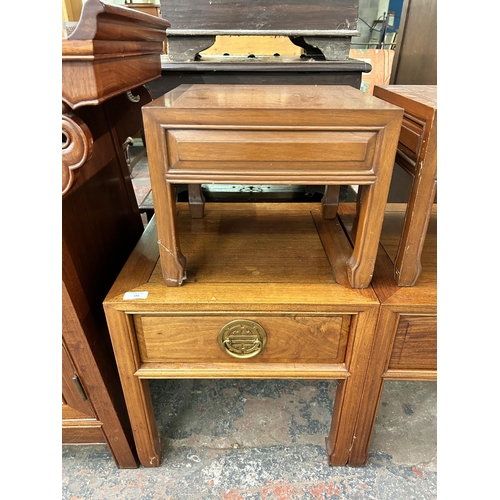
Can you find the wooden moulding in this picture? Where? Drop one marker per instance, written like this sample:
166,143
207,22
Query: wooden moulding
112,50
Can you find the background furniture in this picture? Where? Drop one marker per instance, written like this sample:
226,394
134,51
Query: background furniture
153,9
260,134
101,102
322,29
405,346
283,269
415,58
417,154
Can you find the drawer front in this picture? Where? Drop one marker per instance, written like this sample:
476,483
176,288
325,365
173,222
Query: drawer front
289,339
269,151
410,138
415,346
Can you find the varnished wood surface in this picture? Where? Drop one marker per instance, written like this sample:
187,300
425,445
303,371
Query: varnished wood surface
422,296
100,226
298,267
318,326
112,50
412,95
405,344
291,339
263,134
417,154
260,15
344,100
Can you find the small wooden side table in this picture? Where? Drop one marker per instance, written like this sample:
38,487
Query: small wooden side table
405,346
278,305
417,154
266,134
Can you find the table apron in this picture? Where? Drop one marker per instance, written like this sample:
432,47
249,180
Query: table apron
288,178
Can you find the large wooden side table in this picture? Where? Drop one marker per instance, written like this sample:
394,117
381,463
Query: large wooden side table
297,134
277,305
416,154
405,346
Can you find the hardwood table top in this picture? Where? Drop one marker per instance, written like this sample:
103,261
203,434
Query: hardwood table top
423,94
276,97
253,255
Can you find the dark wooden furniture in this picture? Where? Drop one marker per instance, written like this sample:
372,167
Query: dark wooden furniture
417,155
405,347
277,305
265,71
101,106
324,28
243,134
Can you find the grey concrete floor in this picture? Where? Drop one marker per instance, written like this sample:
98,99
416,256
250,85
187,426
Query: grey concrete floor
265,439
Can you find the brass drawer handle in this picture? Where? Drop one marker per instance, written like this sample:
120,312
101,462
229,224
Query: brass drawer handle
242,338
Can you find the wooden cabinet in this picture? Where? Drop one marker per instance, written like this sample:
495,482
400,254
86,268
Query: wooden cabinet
80,423
102,98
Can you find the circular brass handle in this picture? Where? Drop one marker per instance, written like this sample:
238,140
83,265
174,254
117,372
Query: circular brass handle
242,338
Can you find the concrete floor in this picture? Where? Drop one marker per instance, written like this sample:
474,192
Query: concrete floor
265,439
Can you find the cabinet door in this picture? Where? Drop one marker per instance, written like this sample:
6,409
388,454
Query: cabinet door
75,404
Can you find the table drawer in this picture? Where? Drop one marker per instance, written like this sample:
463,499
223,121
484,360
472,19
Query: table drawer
288,339
213,151
415,345
410,137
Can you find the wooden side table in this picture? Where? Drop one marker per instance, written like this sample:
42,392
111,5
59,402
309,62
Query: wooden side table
405,346
278,305
246,134
417,154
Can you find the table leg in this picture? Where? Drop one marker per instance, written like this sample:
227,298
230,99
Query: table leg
365,414
196,201
371,210
369,219
343,434
173,262
330,202
407,266
135,390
